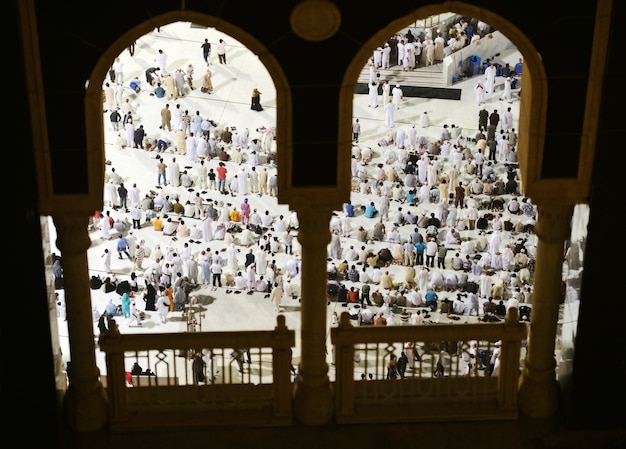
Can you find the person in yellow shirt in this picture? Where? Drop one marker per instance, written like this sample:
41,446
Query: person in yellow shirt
157,223
234,215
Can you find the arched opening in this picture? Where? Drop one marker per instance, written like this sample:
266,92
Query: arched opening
532,102
356,239
248,66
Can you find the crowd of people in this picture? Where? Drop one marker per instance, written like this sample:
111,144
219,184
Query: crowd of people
436,227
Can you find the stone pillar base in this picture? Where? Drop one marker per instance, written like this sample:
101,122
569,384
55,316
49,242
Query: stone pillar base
538,398
313,405
86,411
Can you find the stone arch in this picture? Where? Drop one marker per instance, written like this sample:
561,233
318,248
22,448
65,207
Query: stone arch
93,95
533,102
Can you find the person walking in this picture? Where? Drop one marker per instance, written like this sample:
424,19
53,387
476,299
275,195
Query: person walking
206,51
221,51
115,118
122,247
106,261
356,131
276,296
163,306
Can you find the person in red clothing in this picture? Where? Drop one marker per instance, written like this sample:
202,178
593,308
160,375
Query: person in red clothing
353,295
221,177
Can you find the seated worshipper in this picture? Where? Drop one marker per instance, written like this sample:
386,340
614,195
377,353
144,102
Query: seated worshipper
190,209
431,299
234,215
353,295
186,180
157,223
170,226
182,230
378,232
366,316
380,320
370,210
458,306
261,284
452,237
177,208
513,206
500,310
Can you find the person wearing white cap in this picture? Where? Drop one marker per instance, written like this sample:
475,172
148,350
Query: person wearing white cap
163,306
397,94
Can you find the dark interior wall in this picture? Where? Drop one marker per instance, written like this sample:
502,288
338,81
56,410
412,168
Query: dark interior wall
599,360
29,397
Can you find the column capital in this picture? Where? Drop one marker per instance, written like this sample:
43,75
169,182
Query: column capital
553,222
314,227
72,237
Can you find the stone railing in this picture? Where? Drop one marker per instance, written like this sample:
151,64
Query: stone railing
467,388
203,379
199,378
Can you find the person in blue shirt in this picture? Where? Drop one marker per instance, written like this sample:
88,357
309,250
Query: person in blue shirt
370,210
135,85
419,249
349,207
410,196
159,92
431,299
122,247
518,67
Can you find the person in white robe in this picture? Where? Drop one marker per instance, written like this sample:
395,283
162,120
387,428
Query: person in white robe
494,242
163,306
105,228
246,237
386,91
372,96
207,231
397,95
390,110
490,78
260,260
423,278
231,258
244,138
110,194
173,173
422,169
400,136
223,217
243,178
479,92
507,95
191,145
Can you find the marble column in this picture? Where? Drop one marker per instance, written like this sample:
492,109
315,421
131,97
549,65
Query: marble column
538,387
313,399
85,404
